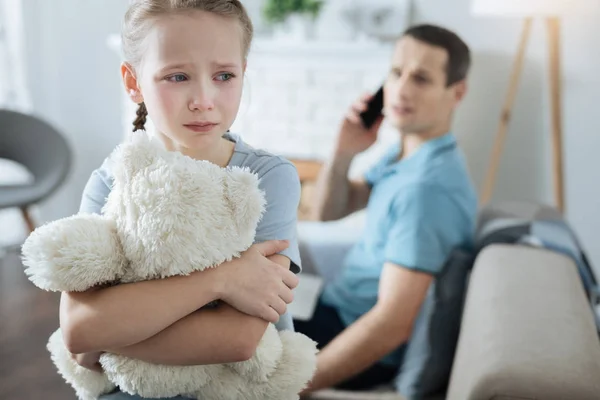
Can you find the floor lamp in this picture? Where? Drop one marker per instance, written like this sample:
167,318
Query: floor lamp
528,10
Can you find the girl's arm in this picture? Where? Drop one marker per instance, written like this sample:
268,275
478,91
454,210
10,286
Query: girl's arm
129,313
209,336
126,314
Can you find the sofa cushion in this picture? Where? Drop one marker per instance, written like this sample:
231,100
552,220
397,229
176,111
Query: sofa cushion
427,362
538,226
323,245
527,330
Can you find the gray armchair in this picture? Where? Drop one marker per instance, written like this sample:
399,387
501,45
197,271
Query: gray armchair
41,149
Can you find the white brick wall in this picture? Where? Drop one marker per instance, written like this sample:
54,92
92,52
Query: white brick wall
297,93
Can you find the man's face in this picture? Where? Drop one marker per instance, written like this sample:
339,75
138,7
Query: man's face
417,97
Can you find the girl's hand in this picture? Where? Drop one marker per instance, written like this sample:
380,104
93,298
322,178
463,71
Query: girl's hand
257,286
90,361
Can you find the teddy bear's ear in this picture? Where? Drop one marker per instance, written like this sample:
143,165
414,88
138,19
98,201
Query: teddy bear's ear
140,151
246,199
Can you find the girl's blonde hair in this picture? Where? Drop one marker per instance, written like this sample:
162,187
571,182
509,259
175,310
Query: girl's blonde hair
140,14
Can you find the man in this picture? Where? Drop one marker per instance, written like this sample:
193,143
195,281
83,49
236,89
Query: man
420,204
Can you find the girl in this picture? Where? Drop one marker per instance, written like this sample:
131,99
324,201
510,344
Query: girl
185,62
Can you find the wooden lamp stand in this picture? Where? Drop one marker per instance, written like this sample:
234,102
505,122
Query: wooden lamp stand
553,28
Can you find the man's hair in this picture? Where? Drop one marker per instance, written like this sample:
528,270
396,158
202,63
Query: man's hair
459,55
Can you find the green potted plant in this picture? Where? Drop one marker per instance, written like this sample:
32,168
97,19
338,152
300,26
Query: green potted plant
293,18
277,11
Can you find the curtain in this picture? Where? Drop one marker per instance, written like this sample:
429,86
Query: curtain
14,93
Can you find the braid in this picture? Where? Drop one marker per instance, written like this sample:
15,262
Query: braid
140,121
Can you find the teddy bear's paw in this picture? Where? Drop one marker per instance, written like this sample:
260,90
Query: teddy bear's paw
147,380
88,385
73,253
294,370
265,359
227,384
296,367
299,354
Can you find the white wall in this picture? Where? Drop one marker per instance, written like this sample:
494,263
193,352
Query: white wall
582,128
75,84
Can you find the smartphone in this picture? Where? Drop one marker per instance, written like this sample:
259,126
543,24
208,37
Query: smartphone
374,109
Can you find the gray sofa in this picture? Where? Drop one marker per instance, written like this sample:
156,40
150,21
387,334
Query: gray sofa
527,330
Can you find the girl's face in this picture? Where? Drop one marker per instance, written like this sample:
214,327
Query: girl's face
191,77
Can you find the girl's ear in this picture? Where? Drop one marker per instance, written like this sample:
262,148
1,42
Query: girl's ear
131,83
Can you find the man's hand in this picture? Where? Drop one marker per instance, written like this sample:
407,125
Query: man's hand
90,361
353,137
336,196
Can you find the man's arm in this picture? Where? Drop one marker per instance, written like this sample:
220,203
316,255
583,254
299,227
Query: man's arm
426,225
336,195
377,333
207,336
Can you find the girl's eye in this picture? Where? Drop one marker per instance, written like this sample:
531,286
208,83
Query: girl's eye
225,76
177,78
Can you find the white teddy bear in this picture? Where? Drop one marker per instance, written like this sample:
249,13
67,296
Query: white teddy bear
166,215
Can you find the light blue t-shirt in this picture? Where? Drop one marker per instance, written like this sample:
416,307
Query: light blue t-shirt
419,210
278,179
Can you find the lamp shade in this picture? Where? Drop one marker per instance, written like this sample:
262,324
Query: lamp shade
519,8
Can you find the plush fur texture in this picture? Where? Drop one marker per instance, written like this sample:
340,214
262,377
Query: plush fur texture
166,215
76,252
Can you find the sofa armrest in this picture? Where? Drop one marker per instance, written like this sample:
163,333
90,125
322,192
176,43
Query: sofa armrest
527,330
329,394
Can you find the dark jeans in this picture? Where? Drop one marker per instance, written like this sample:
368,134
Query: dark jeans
324,326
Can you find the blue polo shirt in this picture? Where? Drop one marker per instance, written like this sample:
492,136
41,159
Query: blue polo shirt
420,208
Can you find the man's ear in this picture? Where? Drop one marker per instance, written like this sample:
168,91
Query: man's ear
131,83
460,90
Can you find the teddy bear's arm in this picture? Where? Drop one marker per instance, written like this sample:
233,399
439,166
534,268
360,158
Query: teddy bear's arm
74,254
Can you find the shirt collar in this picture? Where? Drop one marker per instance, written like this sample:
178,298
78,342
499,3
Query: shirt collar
439,144
425,152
